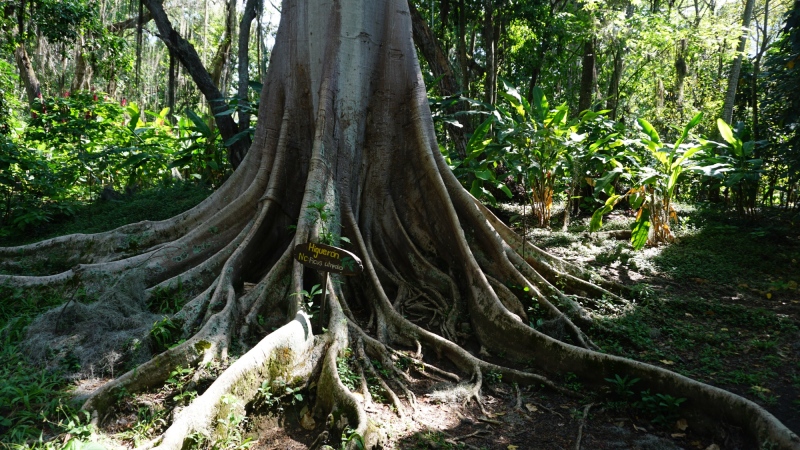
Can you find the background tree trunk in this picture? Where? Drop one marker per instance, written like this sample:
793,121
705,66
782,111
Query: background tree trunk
587,76
27,75
736,67
440,66
186,54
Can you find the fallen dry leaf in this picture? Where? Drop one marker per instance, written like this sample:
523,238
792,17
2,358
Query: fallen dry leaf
512,447
678,435
682,425
667,362
531,407
307,421
713,447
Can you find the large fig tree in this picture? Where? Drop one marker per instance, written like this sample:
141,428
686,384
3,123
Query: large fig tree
345,151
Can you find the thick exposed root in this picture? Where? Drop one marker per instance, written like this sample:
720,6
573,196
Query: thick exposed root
283,358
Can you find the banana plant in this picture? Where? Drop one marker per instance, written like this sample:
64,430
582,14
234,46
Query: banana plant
738,167
652,194
477,171
536,140
202,156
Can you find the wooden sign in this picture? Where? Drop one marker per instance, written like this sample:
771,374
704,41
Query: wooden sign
328,259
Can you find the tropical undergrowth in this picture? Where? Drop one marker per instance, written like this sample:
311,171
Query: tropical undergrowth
719,305
103,214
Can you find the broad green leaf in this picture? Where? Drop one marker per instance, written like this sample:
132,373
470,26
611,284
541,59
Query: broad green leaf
637,199
641,228
714,170
199,123
725,131
505,189
238,137
695,121
484,174
256,86
748,147
661,157
476,189
477,142
597,218
540,104
227,112
692,123
673,180
688,154
136,115
513,101
512,91
649,130
607,179
560,117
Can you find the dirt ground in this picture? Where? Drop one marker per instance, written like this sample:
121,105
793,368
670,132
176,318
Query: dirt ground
544,420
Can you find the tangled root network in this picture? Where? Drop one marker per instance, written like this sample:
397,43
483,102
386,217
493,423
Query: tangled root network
344,132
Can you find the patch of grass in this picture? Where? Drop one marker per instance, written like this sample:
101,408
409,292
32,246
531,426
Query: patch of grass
33,400
344,366
153,204
724,249
167,300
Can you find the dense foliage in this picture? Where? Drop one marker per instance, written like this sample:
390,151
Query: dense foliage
83,146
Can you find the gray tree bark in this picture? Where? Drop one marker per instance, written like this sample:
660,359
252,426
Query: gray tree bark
27,74
736,67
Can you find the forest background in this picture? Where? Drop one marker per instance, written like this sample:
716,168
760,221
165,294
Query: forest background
92,98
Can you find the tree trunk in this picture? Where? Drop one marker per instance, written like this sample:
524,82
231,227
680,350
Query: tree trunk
612,102
345,129
83,70
244,63
764,45
186,54
736,67
587,76
490,48
681,70
27,75
222,56
440,66
461,47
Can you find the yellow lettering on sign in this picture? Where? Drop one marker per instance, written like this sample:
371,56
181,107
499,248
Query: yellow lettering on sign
322,251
